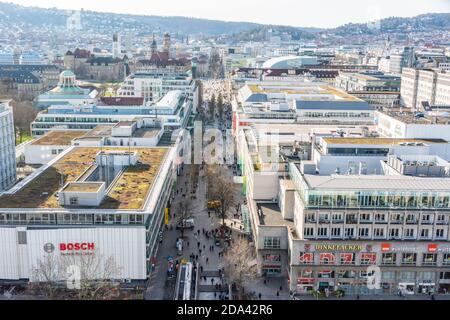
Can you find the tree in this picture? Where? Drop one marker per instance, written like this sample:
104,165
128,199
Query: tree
221,188
83,277
184,208
240,264
24,114
212,106
220,105
200,92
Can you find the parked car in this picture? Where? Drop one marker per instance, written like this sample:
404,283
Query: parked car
186,224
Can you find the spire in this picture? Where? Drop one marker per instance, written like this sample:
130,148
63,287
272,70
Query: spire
153,46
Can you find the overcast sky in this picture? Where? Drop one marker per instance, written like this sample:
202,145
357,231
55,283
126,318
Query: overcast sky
305,13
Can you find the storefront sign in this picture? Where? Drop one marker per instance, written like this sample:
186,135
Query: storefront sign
338,247
76,246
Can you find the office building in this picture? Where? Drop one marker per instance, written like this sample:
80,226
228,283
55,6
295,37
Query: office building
7,147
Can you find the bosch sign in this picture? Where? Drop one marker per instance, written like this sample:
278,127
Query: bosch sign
77,246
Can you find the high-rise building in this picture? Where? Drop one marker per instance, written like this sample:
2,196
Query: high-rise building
7,147
116,46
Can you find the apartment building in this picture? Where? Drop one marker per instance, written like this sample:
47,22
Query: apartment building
7,147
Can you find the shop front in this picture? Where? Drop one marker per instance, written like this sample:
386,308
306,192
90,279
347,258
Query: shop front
406,288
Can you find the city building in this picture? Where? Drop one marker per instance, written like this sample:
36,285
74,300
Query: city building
104,201
376,88
66,93
290,62
425,85
7,147
297,102
154,84
171,112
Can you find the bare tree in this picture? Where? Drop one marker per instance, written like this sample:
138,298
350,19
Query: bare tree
220,105
24,114
185,208
87,276
212,106
240,264
221,188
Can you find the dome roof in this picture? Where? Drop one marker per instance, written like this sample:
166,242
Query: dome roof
67,73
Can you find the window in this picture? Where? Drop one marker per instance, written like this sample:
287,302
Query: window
54,151
424,233
306,258
347,258
271,243
446,259
308,232
310,218
272,257
322,232
378,232
409,233
73,201
388,258
337,217
439,233
364,217
409,258
349,232
335,232
22,237
394,233
363,232
380,217
429,259
368,258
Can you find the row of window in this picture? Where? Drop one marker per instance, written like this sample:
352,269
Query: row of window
378,217
370,258
365,232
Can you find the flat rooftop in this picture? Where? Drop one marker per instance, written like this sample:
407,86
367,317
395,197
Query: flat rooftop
58,138
271,215
128,192
146,132
312,91
376,182
83,187
377,141
409,117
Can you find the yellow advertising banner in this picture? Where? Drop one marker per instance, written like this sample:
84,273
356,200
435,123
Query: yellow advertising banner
166,216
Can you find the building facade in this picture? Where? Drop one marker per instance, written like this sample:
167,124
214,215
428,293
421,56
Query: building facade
7,147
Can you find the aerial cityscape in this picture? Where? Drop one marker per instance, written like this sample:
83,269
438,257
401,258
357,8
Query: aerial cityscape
151,155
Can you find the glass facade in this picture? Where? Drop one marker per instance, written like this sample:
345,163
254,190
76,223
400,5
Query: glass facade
368,199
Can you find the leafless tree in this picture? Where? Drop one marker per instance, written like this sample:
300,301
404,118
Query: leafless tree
240,264
221,188
24,114
87,276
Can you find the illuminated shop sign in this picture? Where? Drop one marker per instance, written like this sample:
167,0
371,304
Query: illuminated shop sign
338,247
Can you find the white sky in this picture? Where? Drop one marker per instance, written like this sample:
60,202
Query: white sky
305,13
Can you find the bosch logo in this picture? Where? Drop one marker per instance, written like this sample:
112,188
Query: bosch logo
77,246
49,247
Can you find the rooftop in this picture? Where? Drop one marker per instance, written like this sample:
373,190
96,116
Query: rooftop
58,138
83,187
128,192
377,141
376,182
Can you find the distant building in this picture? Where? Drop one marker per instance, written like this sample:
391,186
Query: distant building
425,85
73,22
88,66
7,147
66,93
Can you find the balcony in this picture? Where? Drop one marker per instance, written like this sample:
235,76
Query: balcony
351,221
323,221
411,221
441,222
365,221
427,222
387,263
310,220
338,220
398,221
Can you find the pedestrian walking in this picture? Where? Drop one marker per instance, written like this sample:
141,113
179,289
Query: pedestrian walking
204,247
278,293
196,257
201,268
188,243
207,260
198,244
200,251
212,281
259,296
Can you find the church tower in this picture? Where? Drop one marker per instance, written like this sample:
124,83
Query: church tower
153,46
